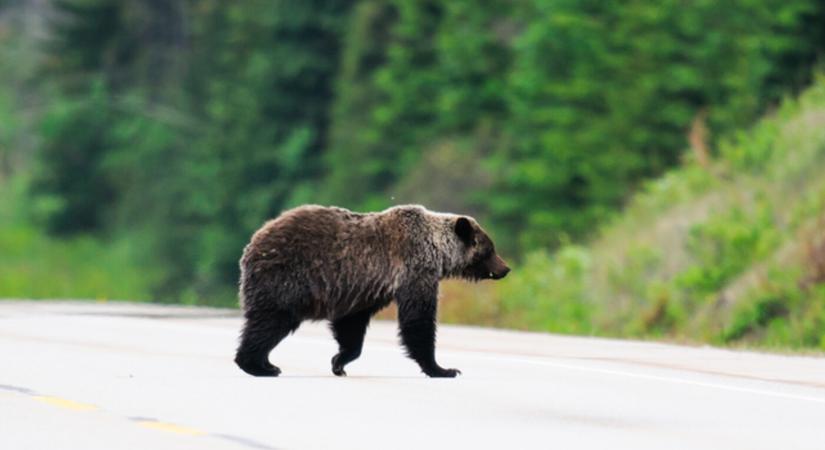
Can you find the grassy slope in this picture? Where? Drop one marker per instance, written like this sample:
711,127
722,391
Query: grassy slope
731,253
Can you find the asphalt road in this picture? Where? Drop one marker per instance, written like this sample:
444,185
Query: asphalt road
121,376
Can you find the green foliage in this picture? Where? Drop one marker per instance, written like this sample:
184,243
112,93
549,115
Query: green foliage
354,143
36,266
76,141
263,126
163,133
725,245
779,313
525,302
18,64
415,76
737,259
191,150
33,265
602,95
758,314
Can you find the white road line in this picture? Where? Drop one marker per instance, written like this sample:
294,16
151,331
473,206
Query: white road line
500,357
675,380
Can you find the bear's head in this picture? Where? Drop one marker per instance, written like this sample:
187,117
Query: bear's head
480,259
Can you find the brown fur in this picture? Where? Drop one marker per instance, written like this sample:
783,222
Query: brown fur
316,262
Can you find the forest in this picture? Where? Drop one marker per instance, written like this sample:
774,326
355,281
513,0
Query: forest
633,158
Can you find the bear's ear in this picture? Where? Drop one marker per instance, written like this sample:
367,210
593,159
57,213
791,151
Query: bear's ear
464,230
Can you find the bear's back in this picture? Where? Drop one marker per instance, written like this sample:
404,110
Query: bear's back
301,234
338,256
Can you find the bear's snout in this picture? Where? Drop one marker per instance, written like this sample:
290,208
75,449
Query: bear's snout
498,269
502,274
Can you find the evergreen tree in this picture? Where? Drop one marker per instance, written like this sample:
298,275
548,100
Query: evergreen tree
261,87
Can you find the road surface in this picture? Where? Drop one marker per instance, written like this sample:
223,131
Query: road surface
123,376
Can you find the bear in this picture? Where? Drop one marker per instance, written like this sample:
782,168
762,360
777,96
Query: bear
328,263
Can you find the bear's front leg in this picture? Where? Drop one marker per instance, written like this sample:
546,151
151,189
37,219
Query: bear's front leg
417,306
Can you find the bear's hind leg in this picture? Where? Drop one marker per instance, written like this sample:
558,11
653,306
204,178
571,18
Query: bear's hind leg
259,337
349,332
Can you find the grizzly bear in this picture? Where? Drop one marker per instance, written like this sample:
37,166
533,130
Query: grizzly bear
316,262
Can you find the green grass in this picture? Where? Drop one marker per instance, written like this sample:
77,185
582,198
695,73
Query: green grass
33,265
729,254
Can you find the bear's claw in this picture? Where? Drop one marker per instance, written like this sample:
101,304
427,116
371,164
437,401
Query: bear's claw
337,369
444,373
256,367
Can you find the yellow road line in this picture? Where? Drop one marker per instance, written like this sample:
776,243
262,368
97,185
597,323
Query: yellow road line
64,403
146,423
170,427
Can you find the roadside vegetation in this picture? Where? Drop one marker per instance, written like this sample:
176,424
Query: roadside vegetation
650,169
732,252
35,265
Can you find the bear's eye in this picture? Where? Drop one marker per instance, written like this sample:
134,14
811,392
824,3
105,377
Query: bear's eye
484,255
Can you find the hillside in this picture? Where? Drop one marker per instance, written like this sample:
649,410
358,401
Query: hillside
732,251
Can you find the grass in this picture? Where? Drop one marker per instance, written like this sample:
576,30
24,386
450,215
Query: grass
33,265
732,253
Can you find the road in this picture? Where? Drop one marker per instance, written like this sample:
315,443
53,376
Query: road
124,376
